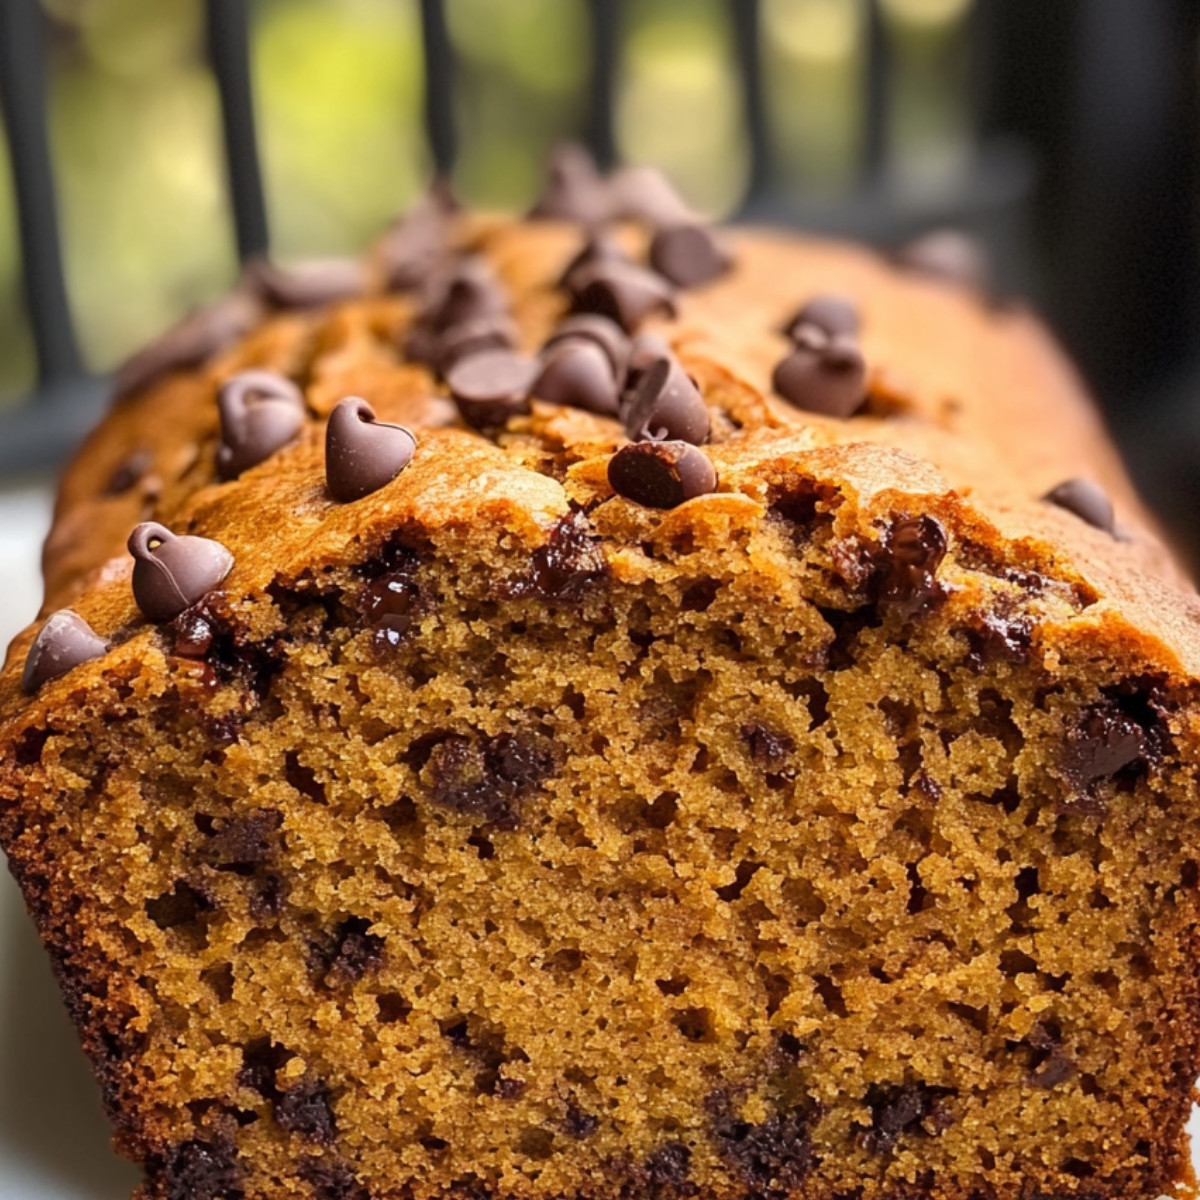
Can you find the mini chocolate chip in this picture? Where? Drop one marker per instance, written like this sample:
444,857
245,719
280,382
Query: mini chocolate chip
260,413
624,292
128,472
574,190
665,403
949,255
646,194
491,387
688,255
661,474
64,641
495,331
914,548
833,315
578,373
1087,500
310,284
172,573
194,634
823,375
191,340
601,246
362,454
592,327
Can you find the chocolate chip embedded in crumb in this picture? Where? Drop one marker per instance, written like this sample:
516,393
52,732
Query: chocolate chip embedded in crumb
309,284
64,641
602,331
949,255
661,474
362,454
194,634
200,1170
305,1109
492,386
913,550
172,573
1087,500
832,314
261,412
566,566
574,190
665,403
823,375
688,255
623,292
1102,741
578,373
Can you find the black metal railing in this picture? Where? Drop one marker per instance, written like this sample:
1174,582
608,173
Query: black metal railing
990,197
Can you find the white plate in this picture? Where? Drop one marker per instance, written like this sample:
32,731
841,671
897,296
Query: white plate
54,1138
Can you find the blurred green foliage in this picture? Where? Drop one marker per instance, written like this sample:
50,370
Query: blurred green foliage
135,133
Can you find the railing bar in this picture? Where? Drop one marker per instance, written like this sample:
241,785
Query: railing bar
602,99
747,30
23,101
229,51
439,86
876,78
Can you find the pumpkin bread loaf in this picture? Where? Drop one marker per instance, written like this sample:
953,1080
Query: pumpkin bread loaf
593,706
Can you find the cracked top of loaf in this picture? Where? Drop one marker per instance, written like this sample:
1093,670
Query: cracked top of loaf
972,414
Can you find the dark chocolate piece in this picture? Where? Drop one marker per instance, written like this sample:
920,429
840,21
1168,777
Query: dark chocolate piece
666,404
260,413
574,190
64,641
823,375
623,292
1087,500
600,247
199,1170
646,194
1102,742
495,331
491,387
567,566
305,1109
592,327
190,341
578,373
833,315
913,550
414,244
172,573
661,474
363,454
471,291
644,350
949,255
309,284
689,255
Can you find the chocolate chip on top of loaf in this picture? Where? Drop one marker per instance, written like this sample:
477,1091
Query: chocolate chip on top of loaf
596,706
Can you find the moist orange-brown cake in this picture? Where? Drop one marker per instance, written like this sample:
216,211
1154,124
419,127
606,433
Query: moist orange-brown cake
746,753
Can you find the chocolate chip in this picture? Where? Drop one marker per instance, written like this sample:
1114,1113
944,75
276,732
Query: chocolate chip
895,1110
346,956
190,341
623,292
392,605
661,474
194,634
600,247
491,387
913,550
128,472
646,194
591,327
362,454
644,350
262,1059
412,246
246,841
769,748
260,413
573,190
949,255
665,403
305,1109
1102,741
823,375
669,1166
201,1170
64,641
309,284
172,573
496,331
578,1123
688,255
1087,500
772,1155
834,315
470,292
566,566
332,1180
578,373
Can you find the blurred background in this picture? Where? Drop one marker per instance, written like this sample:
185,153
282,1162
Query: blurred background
1063,133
